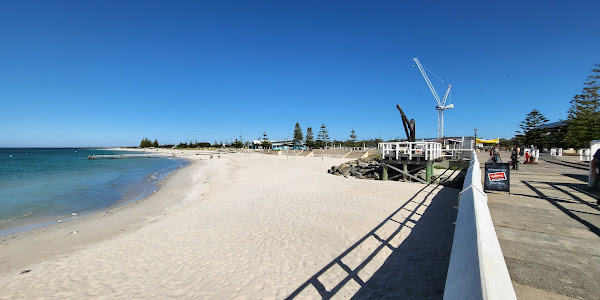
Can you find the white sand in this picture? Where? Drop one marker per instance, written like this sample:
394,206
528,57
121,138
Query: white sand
234,228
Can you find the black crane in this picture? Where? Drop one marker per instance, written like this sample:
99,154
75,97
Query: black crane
409,125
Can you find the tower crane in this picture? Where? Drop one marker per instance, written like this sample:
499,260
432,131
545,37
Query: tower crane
441,104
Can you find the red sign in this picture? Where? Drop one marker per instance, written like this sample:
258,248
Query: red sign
497,176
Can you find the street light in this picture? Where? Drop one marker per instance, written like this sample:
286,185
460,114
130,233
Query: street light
475,147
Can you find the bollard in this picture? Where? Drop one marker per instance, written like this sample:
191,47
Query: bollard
384,174
428,173
405,169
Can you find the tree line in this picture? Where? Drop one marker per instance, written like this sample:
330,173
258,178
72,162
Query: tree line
147,143
581,126
309,140
322,139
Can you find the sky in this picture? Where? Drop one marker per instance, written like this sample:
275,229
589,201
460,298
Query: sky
109,73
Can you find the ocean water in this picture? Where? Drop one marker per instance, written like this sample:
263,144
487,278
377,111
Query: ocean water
40,186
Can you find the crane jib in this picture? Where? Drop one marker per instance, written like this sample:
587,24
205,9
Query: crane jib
441,104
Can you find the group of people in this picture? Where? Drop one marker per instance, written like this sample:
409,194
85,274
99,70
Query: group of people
516,155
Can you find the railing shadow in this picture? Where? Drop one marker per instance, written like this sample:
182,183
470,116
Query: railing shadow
567,164
570,212
580,177
405,256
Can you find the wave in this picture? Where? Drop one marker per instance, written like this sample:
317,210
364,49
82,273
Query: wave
16,218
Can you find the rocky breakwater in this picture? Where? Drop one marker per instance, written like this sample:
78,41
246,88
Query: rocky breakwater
364,168
370,168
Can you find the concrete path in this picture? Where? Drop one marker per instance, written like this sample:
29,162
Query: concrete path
549,229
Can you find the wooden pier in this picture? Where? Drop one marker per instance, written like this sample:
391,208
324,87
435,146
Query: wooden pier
121,156
143,155
408,158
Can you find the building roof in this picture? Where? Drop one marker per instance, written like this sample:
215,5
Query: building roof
553,125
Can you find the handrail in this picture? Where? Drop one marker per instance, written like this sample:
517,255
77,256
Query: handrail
428,150
477,269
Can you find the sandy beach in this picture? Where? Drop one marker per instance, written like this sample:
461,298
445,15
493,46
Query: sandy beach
245,227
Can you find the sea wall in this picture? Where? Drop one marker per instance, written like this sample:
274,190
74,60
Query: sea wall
477,268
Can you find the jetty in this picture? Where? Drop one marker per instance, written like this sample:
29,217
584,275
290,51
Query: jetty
121,156
145,155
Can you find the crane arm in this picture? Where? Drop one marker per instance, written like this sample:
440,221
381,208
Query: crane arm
409,125
435,94
446,96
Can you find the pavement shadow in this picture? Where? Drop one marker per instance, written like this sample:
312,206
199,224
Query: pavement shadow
575,165
417,238
560,204
580,177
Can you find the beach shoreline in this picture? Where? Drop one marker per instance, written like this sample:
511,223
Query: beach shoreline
21,224
91,227
245,226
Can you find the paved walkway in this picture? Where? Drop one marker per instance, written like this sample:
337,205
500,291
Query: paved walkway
549,229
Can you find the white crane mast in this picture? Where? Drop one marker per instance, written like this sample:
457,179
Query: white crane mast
441,104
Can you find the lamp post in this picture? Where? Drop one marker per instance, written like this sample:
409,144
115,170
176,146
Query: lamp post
475,148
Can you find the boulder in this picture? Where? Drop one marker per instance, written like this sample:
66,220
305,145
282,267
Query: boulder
364,168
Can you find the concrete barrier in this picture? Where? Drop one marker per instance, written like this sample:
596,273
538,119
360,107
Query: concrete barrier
477,269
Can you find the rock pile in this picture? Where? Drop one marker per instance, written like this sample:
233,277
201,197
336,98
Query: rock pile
369,168
364,168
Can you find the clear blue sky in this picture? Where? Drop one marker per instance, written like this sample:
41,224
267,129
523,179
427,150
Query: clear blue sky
108,73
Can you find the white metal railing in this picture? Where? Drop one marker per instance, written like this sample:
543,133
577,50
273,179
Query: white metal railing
410,150
584,154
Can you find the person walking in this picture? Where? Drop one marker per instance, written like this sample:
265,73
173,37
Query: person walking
495,152
514,157
532,154
521,154
595,178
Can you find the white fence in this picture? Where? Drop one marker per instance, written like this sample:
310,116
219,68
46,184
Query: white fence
410,150
556,151
477,269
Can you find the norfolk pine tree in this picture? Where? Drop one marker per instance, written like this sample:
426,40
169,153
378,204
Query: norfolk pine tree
530,128
323,136
265,143
298,136
583,117
352,140
310,139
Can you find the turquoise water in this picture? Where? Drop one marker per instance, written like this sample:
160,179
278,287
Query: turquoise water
40,186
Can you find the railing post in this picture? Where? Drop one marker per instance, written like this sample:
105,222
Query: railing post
384,173
428,172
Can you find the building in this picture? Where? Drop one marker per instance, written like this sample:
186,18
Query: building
278,145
